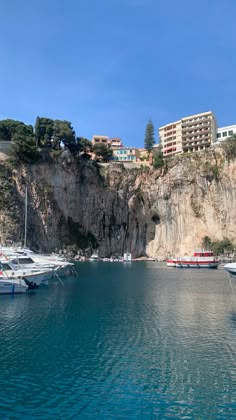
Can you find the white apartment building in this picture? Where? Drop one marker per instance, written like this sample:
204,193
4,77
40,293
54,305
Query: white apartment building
190,134
225,132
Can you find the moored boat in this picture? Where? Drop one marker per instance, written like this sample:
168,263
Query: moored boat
34,275
94,257
171,263
15,286
25,258
231,269
200,259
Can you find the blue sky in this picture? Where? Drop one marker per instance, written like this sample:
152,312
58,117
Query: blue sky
109,66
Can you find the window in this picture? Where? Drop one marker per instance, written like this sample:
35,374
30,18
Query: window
6,267
224,133
230,132
22,261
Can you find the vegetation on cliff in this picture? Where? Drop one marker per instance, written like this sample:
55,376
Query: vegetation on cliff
149,139
53,136
158,159
229,147
219,247
147,210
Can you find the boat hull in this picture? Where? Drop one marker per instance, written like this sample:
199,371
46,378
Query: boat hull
30,276
171,263
12,288
196,265
41,278
231,269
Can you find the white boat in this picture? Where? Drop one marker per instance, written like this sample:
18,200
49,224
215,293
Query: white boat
24,258
171,262
13,286
34,275
41,266
94,257
231,269
200,259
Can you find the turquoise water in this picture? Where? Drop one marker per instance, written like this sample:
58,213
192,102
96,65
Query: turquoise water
125,341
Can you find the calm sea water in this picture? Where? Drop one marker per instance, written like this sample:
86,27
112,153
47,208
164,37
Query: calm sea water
125,341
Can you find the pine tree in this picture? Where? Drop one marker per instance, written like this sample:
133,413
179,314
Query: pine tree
37,131
149,140
24,147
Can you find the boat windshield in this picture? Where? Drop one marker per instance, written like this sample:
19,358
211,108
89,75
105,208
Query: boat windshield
23,260
6,267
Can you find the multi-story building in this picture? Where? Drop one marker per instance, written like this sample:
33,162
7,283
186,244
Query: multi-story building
225,132
115,143
100,140
190,134
126,154
170,138
198,131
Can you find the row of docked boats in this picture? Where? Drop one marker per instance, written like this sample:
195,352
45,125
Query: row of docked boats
21,269
201,259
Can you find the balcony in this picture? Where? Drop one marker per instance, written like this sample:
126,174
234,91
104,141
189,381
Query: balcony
198,137
207,127
170,144
196,119
196,146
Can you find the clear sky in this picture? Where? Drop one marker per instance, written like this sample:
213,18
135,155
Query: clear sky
109,66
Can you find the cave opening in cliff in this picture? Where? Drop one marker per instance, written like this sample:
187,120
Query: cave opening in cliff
156,219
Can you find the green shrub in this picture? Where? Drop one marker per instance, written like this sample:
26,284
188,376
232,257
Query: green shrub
211,171
218,247
158,160
229,147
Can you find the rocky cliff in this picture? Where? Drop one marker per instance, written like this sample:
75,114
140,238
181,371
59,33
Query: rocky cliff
142,211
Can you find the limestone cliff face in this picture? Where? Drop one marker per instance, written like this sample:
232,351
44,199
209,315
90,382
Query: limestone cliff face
142,211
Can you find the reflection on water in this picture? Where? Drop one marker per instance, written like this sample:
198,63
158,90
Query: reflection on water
121,341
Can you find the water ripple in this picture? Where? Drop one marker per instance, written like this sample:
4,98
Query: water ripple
120,343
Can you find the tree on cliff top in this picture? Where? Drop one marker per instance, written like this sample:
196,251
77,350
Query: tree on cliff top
8,128
43,130
63,131
50,132
149,139
102,152
84,145
158,160
24,147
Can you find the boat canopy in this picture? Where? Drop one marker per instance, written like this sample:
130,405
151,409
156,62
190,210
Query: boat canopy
203,254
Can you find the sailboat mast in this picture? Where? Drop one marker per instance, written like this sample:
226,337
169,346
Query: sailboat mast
26,215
